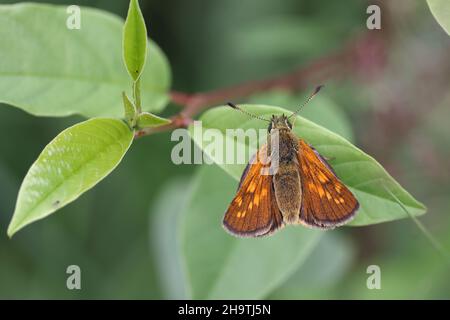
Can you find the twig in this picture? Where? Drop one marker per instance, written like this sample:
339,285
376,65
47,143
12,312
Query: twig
336,64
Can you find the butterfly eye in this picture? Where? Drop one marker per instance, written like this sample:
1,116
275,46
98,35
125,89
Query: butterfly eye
270,127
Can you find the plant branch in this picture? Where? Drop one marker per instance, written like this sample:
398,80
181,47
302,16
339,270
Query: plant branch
337,64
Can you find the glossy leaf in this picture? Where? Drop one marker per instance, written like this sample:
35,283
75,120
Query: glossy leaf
134,40
76,160
47,69
362,173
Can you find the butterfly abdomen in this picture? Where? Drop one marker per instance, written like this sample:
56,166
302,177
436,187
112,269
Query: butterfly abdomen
283,145
288,192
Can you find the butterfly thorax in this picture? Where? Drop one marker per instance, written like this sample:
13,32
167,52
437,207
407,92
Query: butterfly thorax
282,142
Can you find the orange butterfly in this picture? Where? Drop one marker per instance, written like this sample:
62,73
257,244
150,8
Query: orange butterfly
303,189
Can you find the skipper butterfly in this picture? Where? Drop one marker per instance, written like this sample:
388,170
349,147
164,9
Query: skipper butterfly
304,189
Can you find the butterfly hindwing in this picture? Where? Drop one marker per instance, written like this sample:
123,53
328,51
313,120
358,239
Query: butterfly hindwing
253,211
326,201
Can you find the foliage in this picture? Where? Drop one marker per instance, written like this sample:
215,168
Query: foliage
84,154
179,250
49,70
76,160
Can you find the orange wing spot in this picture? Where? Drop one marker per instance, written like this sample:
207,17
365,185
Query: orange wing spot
239,201
328,195
250,206
341,200
322,178
243,214
239,214
336,201
251,187
311,156
311,186
321,191
263,192
338,188
256,200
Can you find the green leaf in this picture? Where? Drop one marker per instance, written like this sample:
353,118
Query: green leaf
129,108
326,266
362,173
134,40
47,69
220,266
148,120
164,215
441,12
72,163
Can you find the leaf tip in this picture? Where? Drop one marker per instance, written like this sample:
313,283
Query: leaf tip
148,120
11,230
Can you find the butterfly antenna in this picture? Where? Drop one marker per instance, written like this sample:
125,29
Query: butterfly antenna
316,91
251,115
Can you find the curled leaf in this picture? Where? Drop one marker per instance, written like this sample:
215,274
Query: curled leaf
129,109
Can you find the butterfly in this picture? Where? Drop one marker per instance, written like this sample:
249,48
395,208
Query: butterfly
302,188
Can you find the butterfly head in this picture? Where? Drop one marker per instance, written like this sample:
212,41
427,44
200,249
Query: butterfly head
280,123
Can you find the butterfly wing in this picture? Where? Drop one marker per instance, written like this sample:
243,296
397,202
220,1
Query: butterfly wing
254,211
326,201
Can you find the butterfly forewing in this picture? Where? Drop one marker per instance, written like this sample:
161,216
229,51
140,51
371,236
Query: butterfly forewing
253,211
326,201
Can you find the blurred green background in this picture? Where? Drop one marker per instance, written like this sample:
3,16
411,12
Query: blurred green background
394,105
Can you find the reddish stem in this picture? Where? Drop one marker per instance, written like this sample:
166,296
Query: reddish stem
316,72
